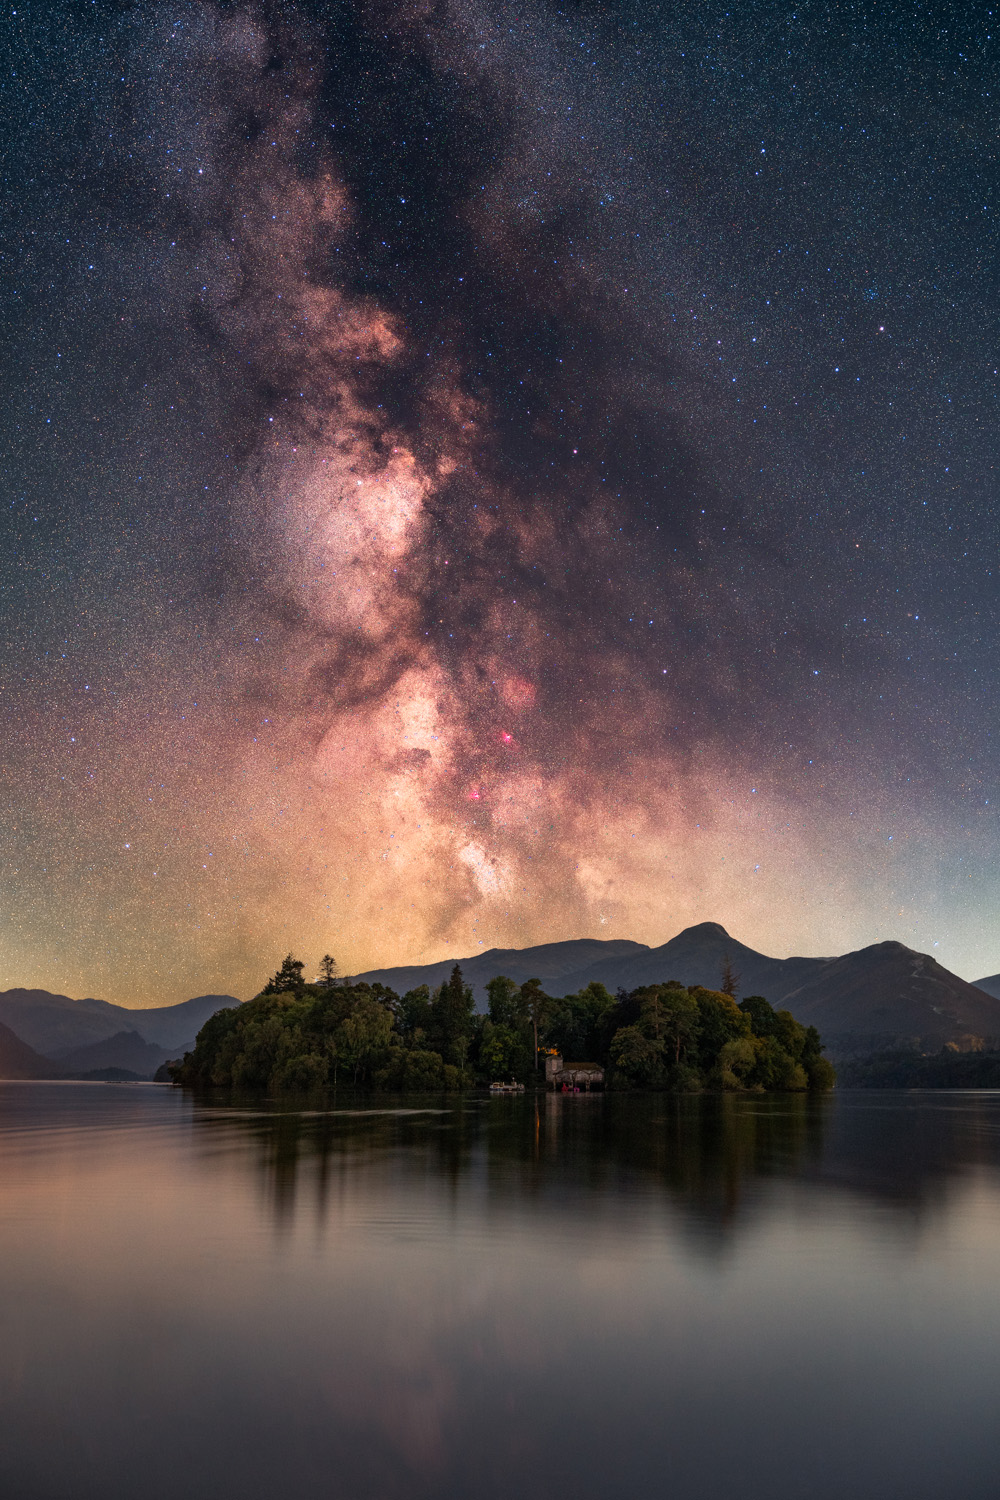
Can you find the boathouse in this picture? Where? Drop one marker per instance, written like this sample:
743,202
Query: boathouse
574,1075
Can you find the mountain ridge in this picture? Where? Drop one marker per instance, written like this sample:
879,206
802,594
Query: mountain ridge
549,961
55,1024
126,1050
19,1061
881,994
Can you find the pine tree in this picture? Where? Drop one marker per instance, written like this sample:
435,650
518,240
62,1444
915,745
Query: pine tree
451,1018
288,977
730,982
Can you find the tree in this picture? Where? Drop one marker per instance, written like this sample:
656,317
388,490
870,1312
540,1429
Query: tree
416,1071
762,1015
773,1067
736,1060
537,1004
327,970
578,1025
730,981
674,1015
720,1020
790,1034
451,1019
288,978
819,1070
364,1037
812,1046
302,1073
821,1074
506,1005
638,1058
415,1015
500,1052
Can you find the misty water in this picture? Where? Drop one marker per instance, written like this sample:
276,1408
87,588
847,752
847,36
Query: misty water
599,1296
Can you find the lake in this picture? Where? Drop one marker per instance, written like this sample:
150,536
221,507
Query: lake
606,1296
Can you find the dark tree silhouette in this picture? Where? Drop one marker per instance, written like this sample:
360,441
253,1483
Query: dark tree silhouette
451,1018
538,1004
730,981
288,977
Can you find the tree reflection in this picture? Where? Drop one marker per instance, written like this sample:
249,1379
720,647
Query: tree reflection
706,1154
714,1160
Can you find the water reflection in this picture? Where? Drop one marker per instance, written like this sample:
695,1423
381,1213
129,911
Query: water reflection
714,1159
445,1300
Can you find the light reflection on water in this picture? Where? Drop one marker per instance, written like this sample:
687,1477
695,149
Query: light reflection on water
701,1298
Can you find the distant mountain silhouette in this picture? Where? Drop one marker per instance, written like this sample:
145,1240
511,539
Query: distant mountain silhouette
126,1051
55,1024
698,955
552,963
875,997
172,1026
48,1022
891,990
18,1060
883,995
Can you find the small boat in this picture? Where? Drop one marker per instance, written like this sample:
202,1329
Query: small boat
506,1088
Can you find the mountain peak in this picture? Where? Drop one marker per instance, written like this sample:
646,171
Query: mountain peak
705,930
891,947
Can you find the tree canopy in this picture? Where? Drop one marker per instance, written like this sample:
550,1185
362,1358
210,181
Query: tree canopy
303,1037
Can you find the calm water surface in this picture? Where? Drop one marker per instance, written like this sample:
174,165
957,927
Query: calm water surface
600,1297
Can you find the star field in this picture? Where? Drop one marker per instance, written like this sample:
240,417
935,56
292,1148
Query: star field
477,475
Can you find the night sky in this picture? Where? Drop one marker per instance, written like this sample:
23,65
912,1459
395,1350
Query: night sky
478,475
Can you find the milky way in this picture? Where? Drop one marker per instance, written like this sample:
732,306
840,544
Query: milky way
480,477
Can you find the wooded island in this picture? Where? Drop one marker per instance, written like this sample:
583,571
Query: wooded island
296,1037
